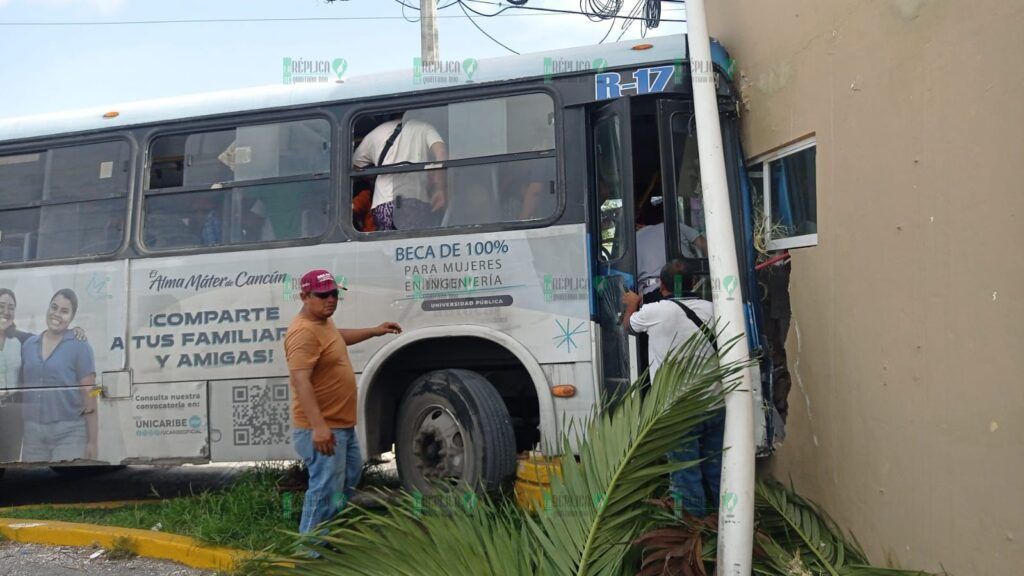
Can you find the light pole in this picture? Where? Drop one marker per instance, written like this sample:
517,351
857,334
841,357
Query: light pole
428,31
736,510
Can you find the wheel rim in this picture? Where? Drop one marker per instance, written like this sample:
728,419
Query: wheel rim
440,446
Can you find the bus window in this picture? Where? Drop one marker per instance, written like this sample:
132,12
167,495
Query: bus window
21,184
493,187
692,242
607,159
21,179
63,202
245,185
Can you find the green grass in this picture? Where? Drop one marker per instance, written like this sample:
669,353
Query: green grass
250,514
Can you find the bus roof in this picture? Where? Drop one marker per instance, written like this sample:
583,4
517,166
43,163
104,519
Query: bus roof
488,71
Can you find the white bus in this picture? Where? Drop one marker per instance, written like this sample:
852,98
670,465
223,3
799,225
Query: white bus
149,256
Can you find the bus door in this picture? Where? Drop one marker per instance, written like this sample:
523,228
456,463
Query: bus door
685,231
612,238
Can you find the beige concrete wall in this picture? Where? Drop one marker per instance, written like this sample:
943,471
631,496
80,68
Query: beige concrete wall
907,342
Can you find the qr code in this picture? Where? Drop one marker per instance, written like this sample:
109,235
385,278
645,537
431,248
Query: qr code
259,415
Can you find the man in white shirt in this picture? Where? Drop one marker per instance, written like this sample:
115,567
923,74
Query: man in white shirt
669,323
405,200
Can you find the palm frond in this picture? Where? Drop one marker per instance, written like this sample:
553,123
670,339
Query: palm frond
619,463
458,534
794,525
796,536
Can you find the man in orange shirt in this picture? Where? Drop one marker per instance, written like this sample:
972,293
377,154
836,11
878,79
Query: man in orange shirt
324,398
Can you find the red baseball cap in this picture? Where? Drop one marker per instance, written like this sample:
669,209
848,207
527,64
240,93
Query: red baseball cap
319,281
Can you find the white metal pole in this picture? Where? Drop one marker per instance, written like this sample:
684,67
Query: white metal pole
736,510
428,31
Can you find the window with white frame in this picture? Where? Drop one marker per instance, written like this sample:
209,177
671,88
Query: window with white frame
785,187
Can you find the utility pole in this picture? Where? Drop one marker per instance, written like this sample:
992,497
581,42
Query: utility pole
736,510
428,31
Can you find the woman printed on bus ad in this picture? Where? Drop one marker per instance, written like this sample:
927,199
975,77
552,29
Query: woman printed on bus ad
10,374
59,424
10,345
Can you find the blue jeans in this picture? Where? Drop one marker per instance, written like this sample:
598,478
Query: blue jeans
332,479
687,487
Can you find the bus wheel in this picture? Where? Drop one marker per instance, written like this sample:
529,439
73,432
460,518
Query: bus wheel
454,430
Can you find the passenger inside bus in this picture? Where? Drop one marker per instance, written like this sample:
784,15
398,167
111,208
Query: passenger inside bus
407,200
238,204
528,187
282,211
506,170
362,201
650,248
171,223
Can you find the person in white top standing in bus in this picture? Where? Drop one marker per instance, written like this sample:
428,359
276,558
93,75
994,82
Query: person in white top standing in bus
410,199
669,323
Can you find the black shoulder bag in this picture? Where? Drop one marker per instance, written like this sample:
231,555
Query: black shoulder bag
387,145
700,324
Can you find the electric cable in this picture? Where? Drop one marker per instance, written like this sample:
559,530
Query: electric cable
555,10
649,15
482,31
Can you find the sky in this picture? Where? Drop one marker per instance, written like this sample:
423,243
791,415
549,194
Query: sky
81,64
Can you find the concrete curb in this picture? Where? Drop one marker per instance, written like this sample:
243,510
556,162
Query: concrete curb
180,549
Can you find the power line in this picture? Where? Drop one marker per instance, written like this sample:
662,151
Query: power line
517,7
240,20
551,11
484,32
595,10
404,6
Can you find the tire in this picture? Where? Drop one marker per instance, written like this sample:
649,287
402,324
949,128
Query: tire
77,472
454,429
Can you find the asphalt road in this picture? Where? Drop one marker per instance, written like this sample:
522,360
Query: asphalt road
17,559
21,486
